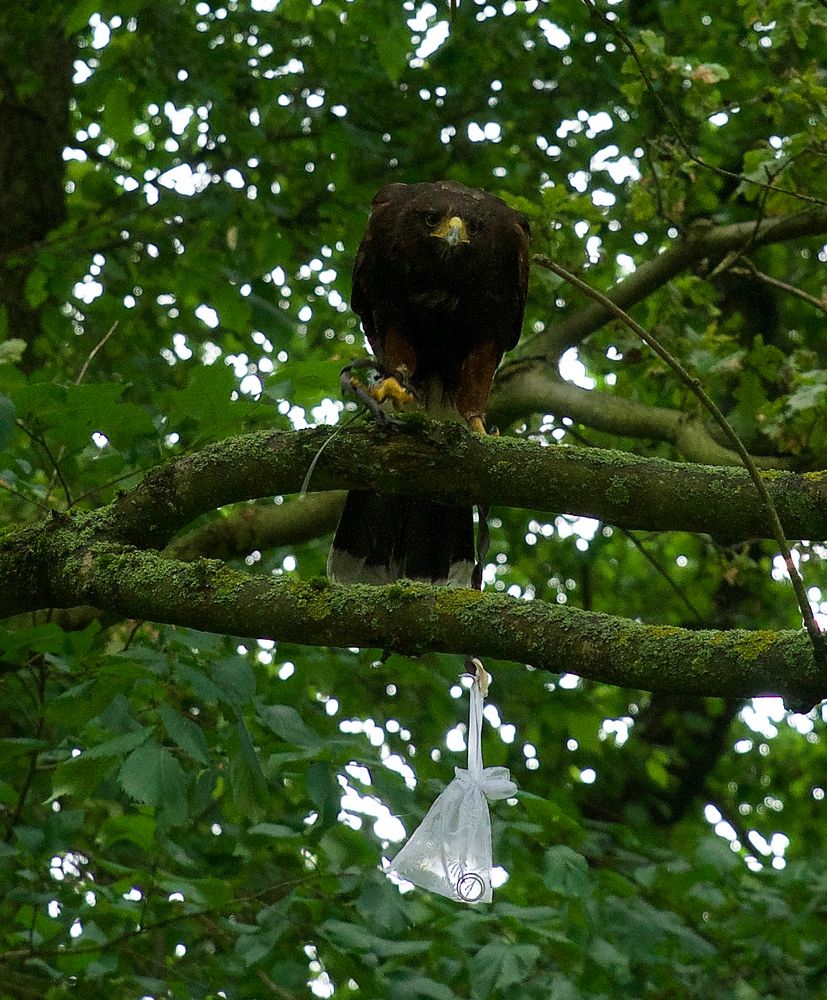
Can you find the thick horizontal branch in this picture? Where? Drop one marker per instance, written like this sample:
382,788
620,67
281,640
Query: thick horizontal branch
446,460
413,618
92,559
425,458
526,389
698,243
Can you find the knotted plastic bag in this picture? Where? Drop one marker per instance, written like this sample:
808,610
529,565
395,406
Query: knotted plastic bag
450,851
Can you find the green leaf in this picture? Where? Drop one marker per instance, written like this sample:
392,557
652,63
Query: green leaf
153,776
555,814
135,829
235,679
499,965
36,288
202,686
606,955
80,776
11,351
392,46
185,733
806,397
118,746
118,111
324,792
78,15
288,725
274,830
17,746
251,948
46,638
766,359
247,781
206,402
355,936
527,914
565,871
410,986
381,905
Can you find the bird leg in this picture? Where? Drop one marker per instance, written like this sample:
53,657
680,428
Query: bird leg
475,379
398,366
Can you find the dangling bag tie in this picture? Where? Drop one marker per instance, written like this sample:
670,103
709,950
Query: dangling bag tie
450,851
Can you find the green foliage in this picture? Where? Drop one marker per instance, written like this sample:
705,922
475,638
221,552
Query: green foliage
190,815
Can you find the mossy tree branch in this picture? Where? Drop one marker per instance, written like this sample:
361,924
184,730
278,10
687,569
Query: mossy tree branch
440,459
437,460
413,618
246,528
103,559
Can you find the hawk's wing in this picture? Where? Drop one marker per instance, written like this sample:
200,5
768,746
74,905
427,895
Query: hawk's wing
518,223
377,242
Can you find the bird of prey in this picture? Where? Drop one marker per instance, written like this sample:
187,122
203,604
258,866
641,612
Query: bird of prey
440,284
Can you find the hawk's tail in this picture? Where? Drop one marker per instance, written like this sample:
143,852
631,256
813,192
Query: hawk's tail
384,538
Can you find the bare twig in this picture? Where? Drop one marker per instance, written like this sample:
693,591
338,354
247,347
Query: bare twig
31,771
647,555
133,632
274,988
693,383
752,271
735,255
699,242
40,440
94,351
22,496
106,485
638,544
280,890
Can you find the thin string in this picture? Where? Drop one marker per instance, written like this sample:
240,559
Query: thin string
475,731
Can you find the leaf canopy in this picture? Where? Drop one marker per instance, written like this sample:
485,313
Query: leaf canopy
183,187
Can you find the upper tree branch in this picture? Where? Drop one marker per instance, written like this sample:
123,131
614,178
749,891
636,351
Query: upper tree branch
446,460
699,242
439,460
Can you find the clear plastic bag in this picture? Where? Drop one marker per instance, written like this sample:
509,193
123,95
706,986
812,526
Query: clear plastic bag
450,851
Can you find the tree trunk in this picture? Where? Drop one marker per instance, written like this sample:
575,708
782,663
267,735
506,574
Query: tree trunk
35,87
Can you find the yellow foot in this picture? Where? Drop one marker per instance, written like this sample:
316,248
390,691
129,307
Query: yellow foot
389,388
475,422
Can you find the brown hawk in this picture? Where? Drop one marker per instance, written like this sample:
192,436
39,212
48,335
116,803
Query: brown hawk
440,284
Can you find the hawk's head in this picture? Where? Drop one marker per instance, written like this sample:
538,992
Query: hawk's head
445,223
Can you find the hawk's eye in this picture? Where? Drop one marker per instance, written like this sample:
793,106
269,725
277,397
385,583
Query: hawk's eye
472,227
432,219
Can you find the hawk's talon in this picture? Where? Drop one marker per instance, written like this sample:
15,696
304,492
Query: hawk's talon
391,388
475,422
352,386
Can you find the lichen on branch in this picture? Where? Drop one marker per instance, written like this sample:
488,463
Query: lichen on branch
108,559
413,618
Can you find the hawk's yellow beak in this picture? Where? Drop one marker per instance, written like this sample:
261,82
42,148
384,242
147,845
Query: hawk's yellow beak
452,230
